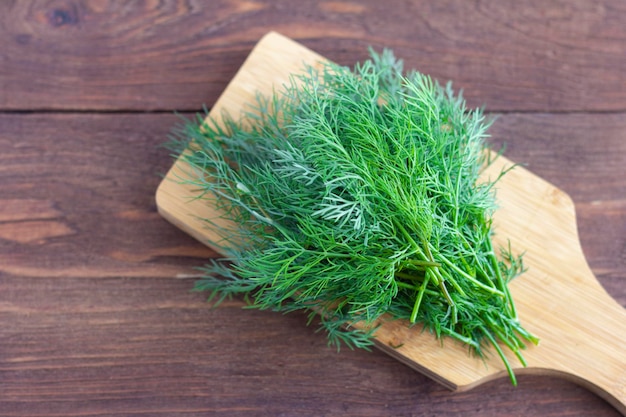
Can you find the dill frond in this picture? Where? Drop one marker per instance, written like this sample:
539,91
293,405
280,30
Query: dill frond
356,193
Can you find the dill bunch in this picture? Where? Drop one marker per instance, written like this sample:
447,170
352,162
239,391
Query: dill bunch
353,194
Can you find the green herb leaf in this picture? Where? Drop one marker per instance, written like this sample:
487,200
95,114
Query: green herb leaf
355,193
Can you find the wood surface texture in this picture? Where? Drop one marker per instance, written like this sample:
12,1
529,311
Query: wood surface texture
96,313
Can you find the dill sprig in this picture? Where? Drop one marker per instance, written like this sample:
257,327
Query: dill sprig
355,193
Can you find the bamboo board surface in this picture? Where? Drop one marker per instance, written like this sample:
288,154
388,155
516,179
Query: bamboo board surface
581,328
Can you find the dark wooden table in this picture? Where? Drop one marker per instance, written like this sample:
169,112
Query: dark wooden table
96,316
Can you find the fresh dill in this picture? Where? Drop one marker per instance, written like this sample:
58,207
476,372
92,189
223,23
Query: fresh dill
353,194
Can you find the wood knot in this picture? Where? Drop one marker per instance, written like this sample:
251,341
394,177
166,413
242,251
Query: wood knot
63,16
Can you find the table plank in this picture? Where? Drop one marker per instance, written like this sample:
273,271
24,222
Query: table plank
175,55
146,346
96,319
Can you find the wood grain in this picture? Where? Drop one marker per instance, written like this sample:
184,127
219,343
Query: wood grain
172,54
94,316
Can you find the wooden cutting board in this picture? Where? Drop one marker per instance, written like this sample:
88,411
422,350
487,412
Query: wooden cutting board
582,329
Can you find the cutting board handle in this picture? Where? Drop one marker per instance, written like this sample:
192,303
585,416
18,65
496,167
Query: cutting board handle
583,330
594,358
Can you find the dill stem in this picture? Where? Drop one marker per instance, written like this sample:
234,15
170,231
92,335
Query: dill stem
412,241
464,339
525,334
439,279
507,294
474,280
474,255
420,295
496,346
509,340
450,301
405,285
445,276
405,275
511,303
420,263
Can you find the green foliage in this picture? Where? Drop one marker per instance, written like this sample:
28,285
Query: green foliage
356,193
